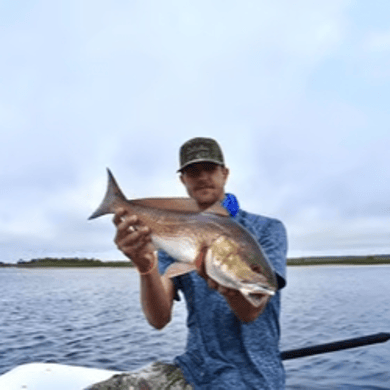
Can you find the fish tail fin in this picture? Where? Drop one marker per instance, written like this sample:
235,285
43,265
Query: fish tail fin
113,198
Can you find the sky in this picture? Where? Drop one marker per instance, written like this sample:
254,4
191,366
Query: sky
297,93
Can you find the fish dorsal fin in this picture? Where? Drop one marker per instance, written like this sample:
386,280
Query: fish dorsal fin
177,269
172,204
188,205
218,209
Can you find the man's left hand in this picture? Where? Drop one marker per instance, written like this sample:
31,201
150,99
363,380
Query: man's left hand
244,310
225,291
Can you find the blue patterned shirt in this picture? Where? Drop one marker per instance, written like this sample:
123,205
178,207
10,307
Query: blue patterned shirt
223,352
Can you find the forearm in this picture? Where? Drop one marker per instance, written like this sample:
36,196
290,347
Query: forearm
155,299
156,293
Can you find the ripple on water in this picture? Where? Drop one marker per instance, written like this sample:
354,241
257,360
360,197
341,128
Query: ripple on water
93,318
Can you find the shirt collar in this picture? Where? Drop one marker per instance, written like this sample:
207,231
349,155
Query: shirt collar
231,204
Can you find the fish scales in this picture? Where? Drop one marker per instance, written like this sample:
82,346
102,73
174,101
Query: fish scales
233,257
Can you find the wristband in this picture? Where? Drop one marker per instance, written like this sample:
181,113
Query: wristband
151,268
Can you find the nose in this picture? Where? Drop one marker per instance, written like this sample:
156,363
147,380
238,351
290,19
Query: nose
203,174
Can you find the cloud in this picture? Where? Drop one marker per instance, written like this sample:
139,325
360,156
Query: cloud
356,236
295,92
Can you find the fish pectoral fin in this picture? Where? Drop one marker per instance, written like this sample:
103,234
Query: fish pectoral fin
199,261
177,269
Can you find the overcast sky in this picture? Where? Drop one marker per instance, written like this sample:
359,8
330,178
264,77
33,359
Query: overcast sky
296,92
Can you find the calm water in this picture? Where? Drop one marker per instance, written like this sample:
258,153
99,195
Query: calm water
91,317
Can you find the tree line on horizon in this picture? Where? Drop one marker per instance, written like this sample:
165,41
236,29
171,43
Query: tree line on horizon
84,262
68,262
328,260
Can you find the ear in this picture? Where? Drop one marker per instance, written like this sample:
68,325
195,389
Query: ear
225,172
182,179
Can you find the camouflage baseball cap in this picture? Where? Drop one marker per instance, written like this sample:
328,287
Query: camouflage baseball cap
198,150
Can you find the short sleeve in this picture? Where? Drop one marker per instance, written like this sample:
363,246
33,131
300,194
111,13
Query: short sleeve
274,243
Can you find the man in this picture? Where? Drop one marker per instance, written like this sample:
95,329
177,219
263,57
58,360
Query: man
231,344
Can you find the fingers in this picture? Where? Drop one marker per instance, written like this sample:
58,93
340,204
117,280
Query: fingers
123,221
132,238
212,284
225,291
127,224
119,216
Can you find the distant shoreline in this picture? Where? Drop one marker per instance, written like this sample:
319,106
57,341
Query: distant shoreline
51,262
340,260
94,263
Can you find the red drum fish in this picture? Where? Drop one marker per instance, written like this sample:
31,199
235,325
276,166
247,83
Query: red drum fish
232,256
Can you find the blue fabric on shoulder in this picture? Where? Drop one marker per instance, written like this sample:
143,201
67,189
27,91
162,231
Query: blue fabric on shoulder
231,204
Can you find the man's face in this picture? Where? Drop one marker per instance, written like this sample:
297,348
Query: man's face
205,182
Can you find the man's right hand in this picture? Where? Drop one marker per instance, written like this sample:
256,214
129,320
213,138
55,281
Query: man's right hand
134,240
156,291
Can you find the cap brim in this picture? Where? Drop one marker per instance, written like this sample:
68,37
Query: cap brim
198,161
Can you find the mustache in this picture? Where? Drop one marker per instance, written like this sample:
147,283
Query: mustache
202,186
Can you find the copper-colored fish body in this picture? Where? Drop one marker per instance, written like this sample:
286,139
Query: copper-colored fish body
233,257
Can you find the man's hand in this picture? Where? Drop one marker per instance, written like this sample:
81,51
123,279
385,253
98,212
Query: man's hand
134,240
156,291
200,265
244,310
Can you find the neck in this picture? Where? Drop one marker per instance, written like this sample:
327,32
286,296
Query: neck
205,206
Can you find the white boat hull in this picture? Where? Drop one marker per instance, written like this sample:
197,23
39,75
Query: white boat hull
51,376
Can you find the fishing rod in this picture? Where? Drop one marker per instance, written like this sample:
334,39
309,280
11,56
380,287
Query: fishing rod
335,346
